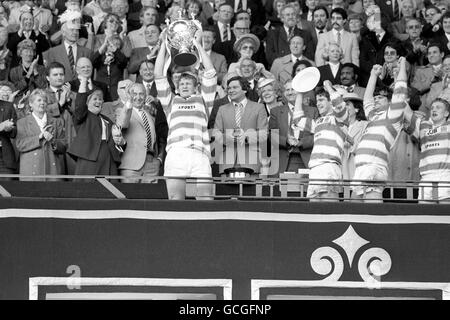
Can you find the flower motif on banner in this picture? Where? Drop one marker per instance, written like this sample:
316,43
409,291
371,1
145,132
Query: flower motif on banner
373,262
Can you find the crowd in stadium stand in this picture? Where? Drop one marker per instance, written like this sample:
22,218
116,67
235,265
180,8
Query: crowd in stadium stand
91,88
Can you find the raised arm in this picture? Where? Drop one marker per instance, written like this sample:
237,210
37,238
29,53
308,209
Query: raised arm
369,102
400,95
162,85
338,104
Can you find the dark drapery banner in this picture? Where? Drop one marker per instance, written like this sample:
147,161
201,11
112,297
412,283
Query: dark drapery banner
239,246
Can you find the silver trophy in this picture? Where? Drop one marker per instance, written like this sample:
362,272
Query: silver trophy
180,34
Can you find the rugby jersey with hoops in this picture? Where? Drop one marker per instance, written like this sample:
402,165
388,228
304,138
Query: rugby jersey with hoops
382,130
330,133
188,118
434,145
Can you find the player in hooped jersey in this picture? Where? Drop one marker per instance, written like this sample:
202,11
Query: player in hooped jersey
188,149
385,122
434,137
330,133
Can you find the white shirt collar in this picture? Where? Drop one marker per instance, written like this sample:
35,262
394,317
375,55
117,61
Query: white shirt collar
244,102
41,122
294,58
54,89
209,52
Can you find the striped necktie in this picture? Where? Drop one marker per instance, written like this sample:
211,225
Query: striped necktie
225,32
395,9
71,58
147,129
238,114
339,38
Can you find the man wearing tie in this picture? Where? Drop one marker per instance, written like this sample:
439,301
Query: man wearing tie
68,52
346,40
225,39
240,130
146,136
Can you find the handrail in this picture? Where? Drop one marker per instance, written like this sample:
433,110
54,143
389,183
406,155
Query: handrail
287,183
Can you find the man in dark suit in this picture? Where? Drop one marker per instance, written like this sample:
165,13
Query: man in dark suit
67,52
319,24
26,31
225,37
138,55
277,43
84,70
8,131
295,146
240,131
391,8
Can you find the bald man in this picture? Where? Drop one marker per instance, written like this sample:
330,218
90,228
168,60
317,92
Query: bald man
84,69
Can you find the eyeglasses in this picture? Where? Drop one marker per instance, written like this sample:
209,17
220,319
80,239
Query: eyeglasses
241,29
390,53
248,47
417,26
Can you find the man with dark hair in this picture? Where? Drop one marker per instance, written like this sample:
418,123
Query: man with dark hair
224,35
138,55
425,76
320,23
8,131
349,78
346,40
240,128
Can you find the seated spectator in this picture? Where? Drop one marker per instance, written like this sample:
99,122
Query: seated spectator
5,55
97,146
331,71
148,16
110,63
111,26
29,75
40,140
27,30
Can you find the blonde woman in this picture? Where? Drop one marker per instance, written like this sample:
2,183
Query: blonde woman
40,140
331,70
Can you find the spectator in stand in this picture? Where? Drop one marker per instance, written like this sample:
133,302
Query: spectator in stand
148,16
245,47
277,42
28,30
392,52
97,148
437,88
112,26
442,34
273,10
5,55
294,145
270,94
68,52
320,24
194,9
40,140
414,44
138,55
225,38
120,8
311,5
425,76
42,15
282,67
308,98
399,27
241,128
85,71
110,63
331,71
96,7
8,131
349,79
29,75
218,60
134,13
146,131
345,40
98,19
355,25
